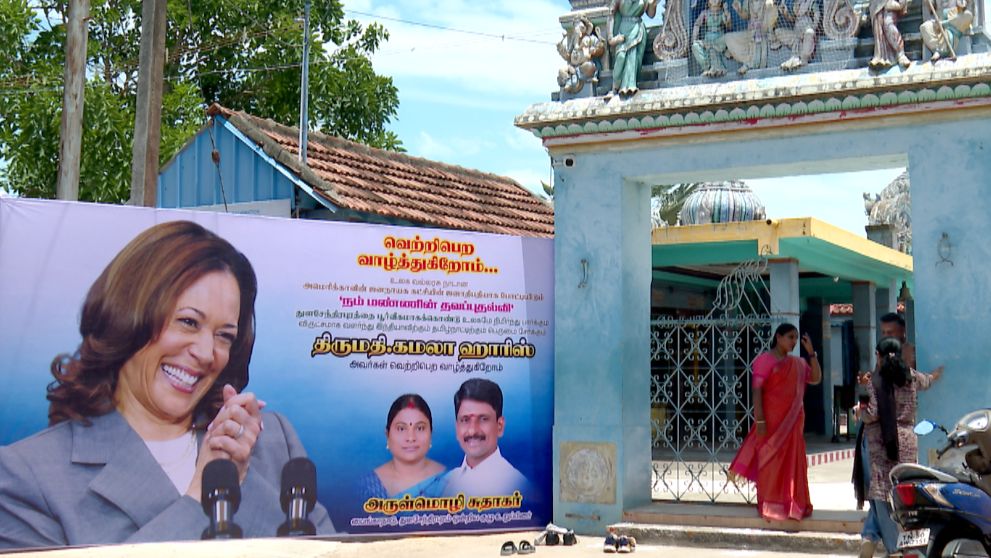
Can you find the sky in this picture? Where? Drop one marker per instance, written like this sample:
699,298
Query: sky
465,69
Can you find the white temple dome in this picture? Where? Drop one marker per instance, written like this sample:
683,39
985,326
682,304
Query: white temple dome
721,202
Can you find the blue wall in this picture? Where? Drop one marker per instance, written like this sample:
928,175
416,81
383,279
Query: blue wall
601,379
246,174
601,376
950,170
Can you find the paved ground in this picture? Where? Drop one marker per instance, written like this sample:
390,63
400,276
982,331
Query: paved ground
414,547
829,486
829,481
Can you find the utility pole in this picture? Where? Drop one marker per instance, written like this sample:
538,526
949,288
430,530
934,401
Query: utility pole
148,111
73,94
304,86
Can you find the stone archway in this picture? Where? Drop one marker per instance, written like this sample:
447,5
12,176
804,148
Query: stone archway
935,120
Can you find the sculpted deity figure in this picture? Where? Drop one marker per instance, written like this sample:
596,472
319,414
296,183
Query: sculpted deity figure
629,41
889,48
942,33
580,48
708,51
751,46
801,36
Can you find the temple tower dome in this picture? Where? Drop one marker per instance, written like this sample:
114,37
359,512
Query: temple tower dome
721,202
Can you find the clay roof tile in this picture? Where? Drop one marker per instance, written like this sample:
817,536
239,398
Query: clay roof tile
396,185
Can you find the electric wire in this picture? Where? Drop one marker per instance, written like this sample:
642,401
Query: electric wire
35,84
452,29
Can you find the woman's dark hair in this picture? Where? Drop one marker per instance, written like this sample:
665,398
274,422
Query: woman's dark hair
892,368
783,329
130,303
408,401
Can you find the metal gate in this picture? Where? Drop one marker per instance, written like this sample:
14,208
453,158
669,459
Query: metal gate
701,405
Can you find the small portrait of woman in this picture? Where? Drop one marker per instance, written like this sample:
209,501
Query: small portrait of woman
408,435
154,392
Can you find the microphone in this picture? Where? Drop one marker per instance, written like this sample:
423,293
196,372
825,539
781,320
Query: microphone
299,494
221,497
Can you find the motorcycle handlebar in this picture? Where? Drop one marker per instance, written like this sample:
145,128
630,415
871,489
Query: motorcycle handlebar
946,448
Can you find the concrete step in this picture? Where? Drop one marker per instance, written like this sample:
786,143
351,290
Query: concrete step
739,526
742,516
802,542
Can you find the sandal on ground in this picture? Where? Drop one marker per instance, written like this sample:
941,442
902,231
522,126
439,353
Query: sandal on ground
508,548
526,548
611,544
547,538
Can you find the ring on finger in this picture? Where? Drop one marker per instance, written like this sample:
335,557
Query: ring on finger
240,431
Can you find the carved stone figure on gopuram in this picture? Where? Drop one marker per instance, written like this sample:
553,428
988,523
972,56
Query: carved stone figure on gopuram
629,42
693,42
889,46
751,46
709,48
943,32
581,48
800,38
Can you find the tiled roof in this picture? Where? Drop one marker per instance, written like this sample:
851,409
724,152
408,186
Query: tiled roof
843,309
846,309
393,185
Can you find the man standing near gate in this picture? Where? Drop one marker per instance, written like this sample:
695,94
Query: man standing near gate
892,325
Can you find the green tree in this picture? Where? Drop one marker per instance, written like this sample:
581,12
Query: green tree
672,197
244,54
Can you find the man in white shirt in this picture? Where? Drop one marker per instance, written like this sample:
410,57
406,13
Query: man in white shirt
479,425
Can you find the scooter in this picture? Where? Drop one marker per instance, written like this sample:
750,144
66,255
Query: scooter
945,510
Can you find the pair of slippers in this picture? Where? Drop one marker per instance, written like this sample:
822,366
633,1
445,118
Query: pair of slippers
554,537
509,548
619,543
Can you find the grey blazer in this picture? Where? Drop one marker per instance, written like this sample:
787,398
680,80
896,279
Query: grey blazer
73,485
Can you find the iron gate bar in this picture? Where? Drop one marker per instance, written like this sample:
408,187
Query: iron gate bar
700,387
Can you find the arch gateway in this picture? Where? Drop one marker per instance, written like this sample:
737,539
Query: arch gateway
751,89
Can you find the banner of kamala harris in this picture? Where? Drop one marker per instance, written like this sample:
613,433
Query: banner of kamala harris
414,366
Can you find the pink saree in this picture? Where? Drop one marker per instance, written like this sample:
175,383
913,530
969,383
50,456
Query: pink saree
777,462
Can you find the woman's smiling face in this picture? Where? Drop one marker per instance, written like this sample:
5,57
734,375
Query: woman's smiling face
165,380
409,435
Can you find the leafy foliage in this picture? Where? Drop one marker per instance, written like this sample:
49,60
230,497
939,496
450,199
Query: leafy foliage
244,54
667,199
671,199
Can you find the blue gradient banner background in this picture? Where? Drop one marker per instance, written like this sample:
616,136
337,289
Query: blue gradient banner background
51,252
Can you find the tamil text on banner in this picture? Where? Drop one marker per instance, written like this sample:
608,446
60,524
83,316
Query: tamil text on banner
415,366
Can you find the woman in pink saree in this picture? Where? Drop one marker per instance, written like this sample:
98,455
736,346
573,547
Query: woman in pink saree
773,453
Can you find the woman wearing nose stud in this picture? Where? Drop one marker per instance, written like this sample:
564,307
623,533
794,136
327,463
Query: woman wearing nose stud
151,396
773,453
408,434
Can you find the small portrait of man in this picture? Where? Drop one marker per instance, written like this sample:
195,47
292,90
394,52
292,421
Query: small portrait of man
479,425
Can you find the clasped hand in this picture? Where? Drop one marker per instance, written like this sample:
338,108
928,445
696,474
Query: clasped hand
232,435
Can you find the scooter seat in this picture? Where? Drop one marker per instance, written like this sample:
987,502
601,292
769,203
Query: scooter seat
913,471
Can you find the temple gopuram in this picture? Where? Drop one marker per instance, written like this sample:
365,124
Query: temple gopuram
656,92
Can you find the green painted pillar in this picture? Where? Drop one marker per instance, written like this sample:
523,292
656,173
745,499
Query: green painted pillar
865,322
